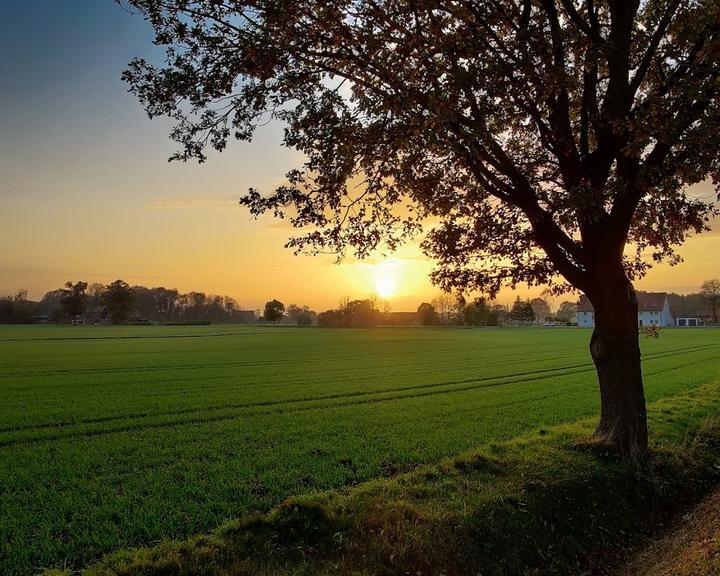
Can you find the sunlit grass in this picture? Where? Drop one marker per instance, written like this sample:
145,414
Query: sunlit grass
116,437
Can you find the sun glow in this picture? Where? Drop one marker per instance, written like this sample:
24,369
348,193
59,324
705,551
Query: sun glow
385,280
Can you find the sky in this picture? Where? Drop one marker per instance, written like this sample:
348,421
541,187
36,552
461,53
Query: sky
86,192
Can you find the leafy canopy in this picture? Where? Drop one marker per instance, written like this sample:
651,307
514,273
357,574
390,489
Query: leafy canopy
535,138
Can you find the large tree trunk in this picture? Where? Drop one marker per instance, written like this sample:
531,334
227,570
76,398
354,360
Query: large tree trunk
616,352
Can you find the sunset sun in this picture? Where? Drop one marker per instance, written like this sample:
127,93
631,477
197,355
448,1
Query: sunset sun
385,280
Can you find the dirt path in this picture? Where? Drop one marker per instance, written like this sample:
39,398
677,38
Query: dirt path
692,548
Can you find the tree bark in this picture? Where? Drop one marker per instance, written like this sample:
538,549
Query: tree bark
615,351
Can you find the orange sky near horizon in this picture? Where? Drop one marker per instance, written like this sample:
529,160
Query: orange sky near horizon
86,192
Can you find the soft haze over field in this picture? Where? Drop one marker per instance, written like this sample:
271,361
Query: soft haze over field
86,192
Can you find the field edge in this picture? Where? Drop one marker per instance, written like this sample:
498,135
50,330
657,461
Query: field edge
540,504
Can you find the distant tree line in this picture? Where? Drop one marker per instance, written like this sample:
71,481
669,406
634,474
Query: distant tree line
276,312
353,314
118,302
704,304
451,310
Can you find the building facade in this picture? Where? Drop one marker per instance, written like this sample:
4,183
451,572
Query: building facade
653,310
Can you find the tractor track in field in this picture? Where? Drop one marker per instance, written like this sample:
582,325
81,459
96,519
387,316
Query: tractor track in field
130,337
188,367
304,404
264,403
29,372
214,407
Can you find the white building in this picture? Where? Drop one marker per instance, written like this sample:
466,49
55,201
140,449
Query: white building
653,310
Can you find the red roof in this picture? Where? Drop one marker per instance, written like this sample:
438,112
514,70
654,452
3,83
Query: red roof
647,302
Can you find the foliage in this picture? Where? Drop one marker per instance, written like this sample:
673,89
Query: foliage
16,309
74,299
448,307
164,432
688,305
522,312
352,314
567,312
426,314
274,311
478,313
652,331
541,309
301,315
118,300
710,290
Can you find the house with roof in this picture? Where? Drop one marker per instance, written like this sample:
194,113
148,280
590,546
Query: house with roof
653,310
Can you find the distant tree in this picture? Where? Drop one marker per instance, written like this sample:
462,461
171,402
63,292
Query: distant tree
50,305
306,318
118,299
478,313
166,300
567,312
710,290
74,300
517,312
330,319
541,309
522,311
426,315
458,309
362,314
56,316
196,301
501,313
444,303
144,303
16,309
352,314
528,315
274,310
301,315
94,301
688,305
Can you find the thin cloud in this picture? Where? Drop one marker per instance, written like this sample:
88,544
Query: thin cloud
194,202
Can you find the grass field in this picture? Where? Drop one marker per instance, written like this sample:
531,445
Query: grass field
116,437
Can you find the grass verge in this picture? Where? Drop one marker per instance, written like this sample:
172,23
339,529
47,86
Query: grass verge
541,504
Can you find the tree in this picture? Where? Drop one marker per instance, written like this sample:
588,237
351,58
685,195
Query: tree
478,313
94,303
710,290
517,312
352,314
16,309
301,315
567,312
458,309
362,313
274,310
541,309
74,300
118,298
196,302
522,311
537,139
426,315
445,305
501,313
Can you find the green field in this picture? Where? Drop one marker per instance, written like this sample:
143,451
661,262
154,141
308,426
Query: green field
117,437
